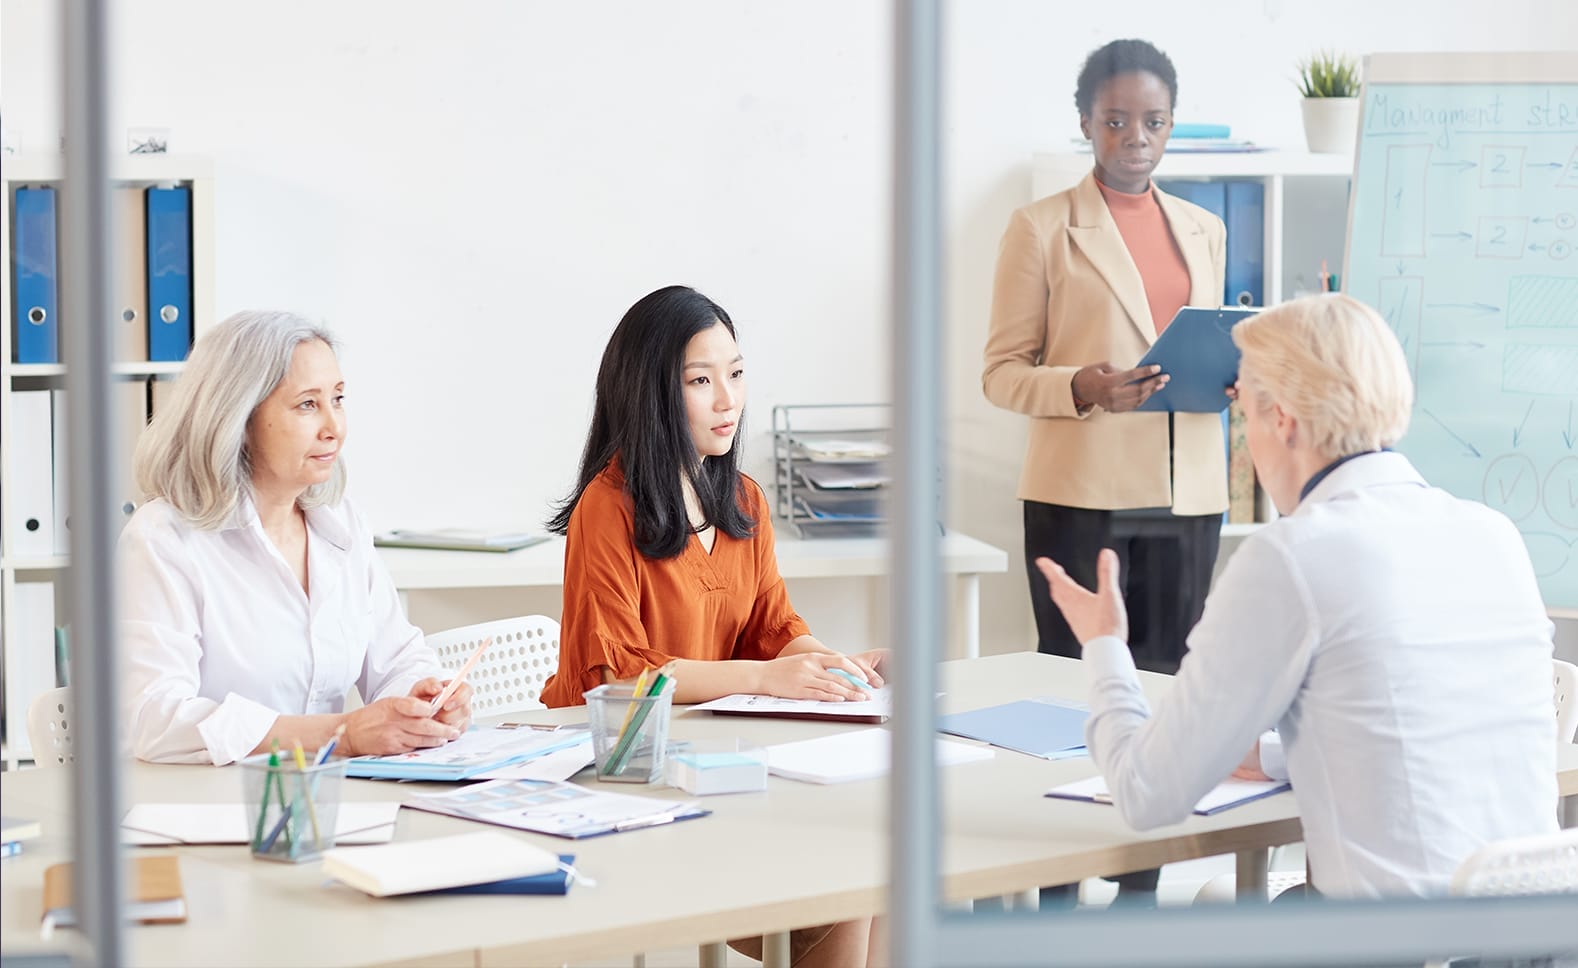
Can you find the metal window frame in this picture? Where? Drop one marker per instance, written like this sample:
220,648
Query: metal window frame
1328,933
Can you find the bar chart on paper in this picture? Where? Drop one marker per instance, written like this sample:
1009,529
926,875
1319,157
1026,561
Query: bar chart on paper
1464,221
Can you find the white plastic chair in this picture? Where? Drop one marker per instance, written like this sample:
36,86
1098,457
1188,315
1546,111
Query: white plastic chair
1519,866
510,675
1566,701
49,728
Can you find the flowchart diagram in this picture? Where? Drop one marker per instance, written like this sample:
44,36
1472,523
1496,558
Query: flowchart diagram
1465,216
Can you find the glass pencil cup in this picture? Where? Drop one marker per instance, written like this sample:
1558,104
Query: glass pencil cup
629,732
290,812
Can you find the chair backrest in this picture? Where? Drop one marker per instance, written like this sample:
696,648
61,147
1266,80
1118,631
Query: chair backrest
510,675
49,728
1566,701
1521,865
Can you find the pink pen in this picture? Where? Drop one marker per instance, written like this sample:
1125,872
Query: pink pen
465,670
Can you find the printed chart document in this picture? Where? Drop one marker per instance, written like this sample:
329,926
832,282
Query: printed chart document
877,709
559,809
164,824
480,749
1050,728
862,754
429,865
555,766
1231,792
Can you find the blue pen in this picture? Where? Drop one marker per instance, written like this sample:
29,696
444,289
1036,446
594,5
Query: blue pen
854,679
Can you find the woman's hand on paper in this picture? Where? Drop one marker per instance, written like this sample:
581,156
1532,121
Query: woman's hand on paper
1116,390
1090,615
808,675
457,708
396,724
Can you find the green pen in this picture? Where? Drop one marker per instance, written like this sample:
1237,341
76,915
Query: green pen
268,783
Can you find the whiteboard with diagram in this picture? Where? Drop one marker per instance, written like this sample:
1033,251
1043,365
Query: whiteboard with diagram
1461,231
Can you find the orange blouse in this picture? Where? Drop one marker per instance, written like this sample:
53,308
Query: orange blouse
630,612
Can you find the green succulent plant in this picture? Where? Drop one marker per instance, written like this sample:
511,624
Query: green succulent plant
1328,74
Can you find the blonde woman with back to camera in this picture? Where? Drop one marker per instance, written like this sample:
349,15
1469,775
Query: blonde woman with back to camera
251,599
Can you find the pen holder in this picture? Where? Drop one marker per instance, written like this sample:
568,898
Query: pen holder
291,812
629,732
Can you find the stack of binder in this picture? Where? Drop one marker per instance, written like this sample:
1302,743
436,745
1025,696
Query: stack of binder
831,468
153,284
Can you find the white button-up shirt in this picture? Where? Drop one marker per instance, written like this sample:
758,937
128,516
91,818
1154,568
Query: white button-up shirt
220,639
1396,636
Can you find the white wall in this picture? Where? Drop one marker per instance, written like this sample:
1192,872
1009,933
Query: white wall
472,193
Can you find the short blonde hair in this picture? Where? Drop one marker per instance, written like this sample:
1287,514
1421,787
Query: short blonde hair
193,454
1332,363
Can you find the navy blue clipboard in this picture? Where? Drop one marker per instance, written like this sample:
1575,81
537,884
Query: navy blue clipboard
1196,350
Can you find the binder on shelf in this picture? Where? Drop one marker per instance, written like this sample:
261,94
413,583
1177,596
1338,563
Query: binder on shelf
31,530
30,659
60,491
1209,195
1246,244
35,262
131,276
169,253
131,414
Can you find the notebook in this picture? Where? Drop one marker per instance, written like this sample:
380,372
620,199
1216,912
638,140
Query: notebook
559,809
155,898
861,754
479,750
459,539
877,709
554,882
412,866
164,824
1042,727
1231,792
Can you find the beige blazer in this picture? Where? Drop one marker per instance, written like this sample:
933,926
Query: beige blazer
1066,295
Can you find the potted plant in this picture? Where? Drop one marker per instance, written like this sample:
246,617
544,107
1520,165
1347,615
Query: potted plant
1330,85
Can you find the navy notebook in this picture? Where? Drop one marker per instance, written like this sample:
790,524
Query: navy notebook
1196,350
557,882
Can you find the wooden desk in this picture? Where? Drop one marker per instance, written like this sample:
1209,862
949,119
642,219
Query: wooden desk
964,557
793,855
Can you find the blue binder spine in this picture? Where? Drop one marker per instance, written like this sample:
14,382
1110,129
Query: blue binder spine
35,261
1246,244
169,213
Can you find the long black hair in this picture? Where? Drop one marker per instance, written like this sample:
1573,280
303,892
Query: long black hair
1122,57
639,417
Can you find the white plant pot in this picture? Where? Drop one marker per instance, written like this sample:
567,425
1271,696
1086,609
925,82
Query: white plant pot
1331,124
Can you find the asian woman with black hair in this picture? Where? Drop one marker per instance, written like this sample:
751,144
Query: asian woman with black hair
669,557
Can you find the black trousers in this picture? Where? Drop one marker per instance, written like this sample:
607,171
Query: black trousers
1165,564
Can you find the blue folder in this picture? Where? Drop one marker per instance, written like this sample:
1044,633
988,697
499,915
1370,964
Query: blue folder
554,882
1040,727
1196,350
169,274
35,257
1246,244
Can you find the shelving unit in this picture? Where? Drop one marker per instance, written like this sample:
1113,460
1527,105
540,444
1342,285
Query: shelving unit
830,468
22,661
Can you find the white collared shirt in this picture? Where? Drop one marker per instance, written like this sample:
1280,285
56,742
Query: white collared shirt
220,639
1396,636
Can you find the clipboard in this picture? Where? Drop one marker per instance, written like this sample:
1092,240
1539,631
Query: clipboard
1196,350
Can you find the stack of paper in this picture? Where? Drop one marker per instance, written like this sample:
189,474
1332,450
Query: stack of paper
1231,792
164,824
859,755
478,751
560,809
430,865
877,709
830,449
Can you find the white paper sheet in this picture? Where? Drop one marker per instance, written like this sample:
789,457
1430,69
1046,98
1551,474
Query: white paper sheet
163,824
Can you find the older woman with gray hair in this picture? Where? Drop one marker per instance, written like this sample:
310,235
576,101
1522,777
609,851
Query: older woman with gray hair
252,600
1392,632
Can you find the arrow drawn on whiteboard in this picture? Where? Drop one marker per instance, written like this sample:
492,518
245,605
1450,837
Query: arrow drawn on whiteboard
1471,344
1567,435
1400,267
1471,448
1461,166
1475,307
1535,247
1460,236
1398,199
1519,428
1543,164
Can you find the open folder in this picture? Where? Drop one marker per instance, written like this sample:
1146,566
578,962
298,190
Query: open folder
1231,792
1197,353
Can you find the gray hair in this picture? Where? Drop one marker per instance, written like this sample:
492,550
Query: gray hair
193,454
